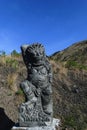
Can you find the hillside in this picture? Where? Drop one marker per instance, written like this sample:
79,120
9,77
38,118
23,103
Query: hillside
76,52
69,86
70,83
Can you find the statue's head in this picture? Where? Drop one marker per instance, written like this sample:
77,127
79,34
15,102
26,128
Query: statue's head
34,53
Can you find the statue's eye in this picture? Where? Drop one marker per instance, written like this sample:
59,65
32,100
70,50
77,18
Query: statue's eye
33,54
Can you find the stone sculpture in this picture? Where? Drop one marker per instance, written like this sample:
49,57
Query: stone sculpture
37,110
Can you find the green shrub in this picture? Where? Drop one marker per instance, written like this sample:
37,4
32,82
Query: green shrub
14,53
11,62
71,121
19,92
70,64
2,53
73,64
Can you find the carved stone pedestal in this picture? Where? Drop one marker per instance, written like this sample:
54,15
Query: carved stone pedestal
53,126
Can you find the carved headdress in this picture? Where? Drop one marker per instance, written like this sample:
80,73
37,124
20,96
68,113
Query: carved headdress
33,54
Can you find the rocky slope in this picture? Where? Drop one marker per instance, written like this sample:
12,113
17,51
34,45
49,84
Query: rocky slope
69,86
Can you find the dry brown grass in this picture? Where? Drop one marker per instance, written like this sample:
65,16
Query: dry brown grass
2,61
58,67
11,81
55,66
9,61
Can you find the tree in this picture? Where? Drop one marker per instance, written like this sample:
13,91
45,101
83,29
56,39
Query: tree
2,53
15,53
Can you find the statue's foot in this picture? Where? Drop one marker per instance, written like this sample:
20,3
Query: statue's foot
48,109
47,112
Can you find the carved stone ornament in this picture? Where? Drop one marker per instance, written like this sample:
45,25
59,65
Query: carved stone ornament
37,110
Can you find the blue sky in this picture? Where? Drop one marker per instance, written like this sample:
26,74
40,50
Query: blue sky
54,23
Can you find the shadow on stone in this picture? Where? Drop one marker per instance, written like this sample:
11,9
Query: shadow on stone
5,122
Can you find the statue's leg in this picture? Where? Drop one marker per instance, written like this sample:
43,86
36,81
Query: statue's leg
28,90
47,100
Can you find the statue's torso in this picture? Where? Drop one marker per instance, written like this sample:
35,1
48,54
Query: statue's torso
38,76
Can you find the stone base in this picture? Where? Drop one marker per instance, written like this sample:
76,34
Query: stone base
53,126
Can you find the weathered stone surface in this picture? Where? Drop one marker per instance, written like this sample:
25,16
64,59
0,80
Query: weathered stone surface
52,126
37,88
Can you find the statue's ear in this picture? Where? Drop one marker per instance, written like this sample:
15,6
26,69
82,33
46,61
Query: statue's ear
23,49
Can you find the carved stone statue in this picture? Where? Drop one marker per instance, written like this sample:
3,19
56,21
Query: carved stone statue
37,110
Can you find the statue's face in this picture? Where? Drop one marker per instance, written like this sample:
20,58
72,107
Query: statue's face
36,52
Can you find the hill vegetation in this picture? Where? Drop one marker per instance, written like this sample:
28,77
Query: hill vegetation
69,85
